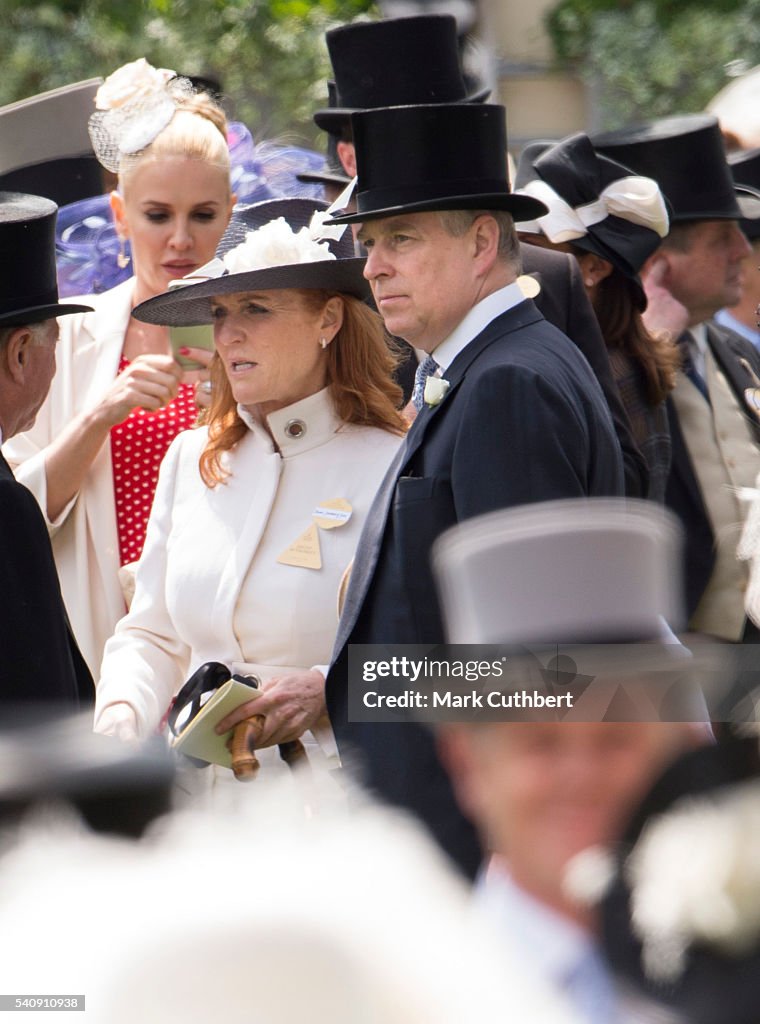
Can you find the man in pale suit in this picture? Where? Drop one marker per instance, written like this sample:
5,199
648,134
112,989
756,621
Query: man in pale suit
512,415
714,421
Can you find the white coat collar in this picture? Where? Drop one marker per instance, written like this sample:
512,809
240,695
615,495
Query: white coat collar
299,427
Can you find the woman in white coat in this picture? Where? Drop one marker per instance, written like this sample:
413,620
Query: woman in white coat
257,514
119,396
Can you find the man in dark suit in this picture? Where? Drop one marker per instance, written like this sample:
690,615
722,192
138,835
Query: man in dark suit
713,417
39,659
512,415
407,61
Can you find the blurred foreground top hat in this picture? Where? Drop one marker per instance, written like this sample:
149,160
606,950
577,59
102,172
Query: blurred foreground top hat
46,758
595,203
398,62
685,156
45,148
28,284
561,572
441,156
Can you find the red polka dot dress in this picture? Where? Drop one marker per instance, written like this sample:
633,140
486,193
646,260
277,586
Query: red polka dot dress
137,447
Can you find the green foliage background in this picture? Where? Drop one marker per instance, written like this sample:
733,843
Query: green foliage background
269,54
650,58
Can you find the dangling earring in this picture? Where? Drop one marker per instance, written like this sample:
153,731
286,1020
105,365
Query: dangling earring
122,260
323,343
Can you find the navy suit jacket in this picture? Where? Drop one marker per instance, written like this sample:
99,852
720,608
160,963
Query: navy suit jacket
39,659
683,494
524,421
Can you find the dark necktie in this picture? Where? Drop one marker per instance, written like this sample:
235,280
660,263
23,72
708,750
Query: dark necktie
687,344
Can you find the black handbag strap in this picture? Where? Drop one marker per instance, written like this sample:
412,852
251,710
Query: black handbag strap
206,679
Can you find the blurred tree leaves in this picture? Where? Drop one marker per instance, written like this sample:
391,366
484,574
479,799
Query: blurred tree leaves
269,55
650,58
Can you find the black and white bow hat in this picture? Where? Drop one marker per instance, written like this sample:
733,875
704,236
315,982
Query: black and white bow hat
594,202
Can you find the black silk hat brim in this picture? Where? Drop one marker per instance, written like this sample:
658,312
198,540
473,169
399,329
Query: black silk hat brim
191,305
521,207
335,119
323,178
36,314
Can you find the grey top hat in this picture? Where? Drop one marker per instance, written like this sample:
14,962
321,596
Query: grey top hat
28,284
244,265
45,148
577,571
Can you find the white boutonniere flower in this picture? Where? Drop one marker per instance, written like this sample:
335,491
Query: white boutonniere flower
275,245
435,390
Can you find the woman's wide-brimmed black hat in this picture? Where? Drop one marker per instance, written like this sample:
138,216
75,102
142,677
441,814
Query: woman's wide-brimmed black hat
712,986
686,158
28,284
339,270
745,170
441,156
398,62
595,203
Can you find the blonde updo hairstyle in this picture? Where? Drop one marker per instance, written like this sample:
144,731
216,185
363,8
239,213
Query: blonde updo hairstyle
197,131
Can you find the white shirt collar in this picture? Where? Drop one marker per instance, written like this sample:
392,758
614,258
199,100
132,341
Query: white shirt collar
476,320
555,943
299,427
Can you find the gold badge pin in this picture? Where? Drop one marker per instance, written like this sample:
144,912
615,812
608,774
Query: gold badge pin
304,552
333,513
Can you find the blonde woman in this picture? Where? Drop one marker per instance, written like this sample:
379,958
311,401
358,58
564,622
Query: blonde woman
119,397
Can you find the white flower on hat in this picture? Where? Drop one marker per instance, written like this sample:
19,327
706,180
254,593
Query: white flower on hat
131,83
436,389
695,879
275,245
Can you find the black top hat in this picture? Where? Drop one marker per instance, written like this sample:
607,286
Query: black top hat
745,170
45,149
585,193
398,62
191,304
46,758
332,173
443,156
713,987
28,285
686,158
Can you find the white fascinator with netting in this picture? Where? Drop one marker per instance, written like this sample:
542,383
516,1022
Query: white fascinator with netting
133,106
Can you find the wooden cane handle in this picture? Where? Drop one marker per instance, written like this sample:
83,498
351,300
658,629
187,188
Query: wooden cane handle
245,737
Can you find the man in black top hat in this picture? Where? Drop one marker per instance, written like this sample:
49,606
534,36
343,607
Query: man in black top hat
509,413
39,659
714,420
406,61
